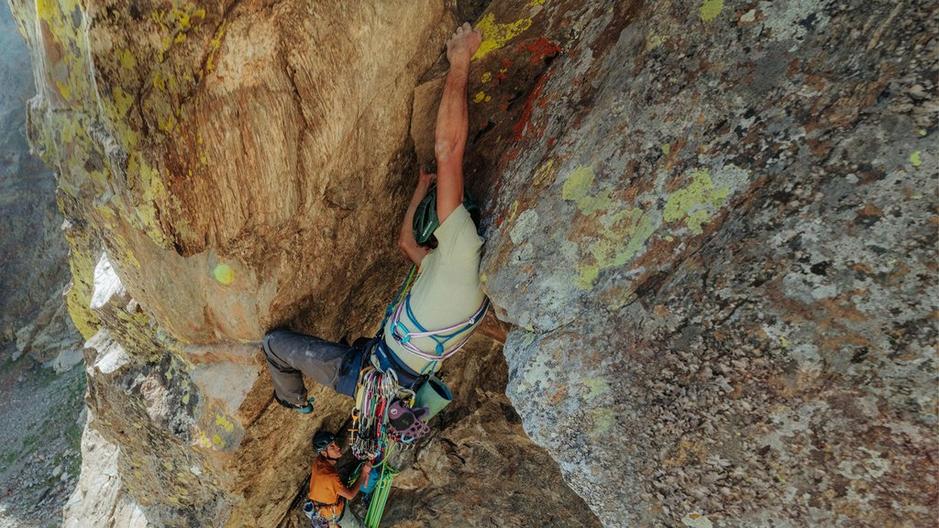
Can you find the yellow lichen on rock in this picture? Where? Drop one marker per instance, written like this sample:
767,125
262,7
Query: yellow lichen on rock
696,202
496,35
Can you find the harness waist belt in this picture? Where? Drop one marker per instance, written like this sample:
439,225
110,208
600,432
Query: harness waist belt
387,359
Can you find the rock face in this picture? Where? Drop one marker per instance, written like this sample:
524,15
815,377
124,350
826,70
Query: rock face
481,469
224,175
715,235
710,226
100,499
32,250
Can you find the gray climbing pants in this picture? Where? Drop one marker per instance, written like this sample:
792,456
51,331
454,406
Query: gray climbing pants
291,355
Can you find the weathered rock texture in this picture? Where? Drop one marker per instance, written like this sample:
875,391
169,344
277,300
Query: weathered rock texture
711,224
481,469
225,169
100,499
32,249
714,229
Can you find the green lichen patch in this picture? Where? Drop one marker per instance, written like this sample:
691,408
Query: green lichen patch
577,188
710,9
697,202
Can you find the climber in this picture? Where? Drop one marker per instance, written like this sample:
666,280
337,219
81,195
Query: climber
326,505
446,294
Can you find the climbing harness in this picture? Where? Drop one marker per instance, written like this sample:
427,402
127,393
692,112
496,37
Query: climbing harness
400,306
403,335
311,510
379,390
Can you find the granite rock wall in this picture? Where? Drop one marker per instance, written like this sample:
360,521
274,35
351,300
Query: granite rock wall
711,227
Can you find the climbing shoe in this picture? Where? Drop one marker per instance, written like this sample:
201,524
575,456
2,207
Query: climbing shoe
302,409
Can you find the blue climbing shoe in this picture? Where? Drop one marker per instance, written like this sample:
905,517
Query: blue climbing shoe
302,409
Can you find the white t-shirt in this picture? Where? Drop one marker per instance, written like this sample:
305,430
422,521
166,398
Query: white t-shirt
446,291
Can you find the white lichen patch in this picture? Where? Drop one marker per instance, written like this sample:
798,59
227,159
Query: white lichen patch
226,382
792,20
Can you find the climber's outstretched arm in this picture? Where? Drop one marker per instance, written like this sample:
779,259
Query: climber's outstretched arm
452,122
350,492
406,241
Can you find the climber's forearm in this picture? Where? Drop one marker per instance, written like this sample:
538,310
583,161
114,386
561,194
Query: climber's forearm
452,116
350,492
450,140
406,241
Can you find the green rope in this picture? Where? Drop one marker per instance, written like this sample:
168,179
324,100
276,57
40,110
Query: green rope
376,508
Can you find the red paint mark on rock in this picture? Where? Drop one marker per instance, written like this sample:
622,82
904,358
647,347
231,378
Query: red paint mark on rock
541,49
511,154
519,128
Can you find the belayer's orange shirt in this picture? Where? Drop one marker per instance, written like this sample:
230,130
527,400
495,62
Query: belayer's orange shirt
324,488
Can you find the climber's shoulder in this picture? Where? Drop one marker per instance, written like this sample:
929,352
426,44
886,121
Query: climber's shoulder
457,233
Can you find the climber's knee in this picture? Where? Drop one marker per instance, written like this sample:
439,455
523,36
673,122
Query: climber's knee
266,342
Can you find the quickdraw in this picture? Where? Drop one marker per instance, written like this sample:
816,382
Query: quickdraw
374,396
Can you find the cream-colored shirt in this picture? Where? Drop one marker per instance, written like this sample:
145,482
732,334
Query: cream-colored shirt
446,290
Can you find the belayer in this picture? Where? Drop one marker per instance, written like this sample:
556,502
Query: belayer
445,303
326,502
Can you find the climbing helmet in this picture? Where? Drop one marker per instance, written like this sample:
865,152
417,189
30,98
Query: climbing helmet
425,217
321,440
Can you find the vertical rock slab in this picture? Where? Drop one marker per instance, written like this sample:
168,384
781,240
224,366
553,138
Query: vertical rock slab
153,137
225,157
715,233
479,467
100,498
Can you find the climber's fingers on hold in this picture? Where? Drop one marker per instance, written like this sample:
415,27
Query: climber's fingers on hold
462,34
426,178
464,30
